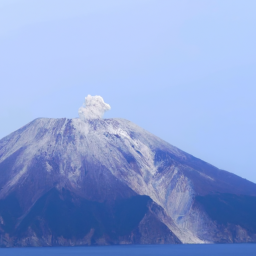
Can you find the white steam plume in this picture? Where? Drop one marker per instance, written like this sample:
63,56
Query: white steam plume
94,107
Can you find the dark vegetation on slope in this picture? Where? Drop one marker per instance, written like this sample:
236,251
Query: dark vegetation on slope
231,209
72,217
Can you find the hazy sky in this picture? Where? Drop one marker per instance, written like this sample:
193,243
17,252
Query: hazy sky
183,70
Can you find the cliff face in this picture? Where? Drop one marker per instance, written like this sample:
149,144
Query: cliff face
108,181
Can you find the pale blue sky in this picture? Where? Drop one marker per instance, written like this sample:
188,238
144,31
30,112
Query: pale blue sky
183,70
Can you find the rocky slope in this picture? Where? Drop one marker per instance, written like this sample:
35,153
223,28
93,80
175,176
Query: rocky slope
108,181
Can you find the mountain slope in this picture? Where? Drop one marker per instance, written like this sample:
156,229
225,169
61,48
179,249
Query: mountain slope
108,181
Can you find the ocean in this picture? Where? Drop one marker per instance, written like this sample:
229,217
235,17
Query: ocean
134,250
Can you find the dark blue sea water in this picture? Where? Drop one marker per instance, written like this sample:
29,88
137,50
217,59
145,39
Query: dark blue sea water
140,250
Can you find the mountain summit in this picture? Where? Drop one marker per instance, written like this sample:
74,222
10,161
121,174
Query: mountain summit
93,181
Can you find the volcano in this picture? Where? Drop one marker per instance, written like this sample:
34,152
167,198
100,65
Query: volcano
95,181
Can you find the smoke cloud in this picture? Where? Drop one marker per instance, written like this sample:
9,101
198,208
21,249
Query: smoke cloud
94,107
